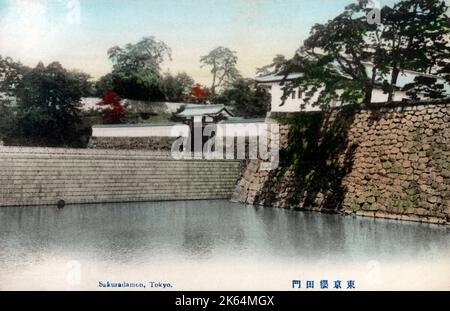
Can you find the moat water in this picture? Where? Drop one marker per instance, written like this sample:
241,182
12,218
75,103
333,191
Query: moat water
214,245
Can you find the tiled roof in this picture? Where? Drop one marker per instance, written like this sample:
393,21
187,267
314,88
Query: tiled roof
404,78
201,110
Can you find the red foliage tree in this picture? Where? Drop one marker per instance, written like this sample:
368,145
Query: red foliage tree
200,94
114,111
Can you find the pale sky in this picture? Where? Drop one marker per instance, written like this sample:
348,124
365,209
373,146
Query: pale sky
78,33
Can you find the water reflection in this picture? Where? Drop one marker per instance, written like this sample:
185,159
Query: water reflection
125,235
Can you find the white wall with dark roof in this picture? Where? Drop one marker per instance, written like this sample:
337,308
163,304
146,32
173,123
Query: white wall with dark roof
296,103
239,128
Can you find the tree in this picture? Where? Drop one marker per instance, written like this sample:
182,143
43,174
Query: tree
147,54
7,121
278,64
334,57
48,105
103,85
415,37
177,88
137,88
114,111
246,98
200,94
136,68
223,67
11,73
87,87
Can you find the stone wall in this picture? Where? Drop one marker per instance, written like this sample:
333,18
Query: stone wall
35,176
157,143
390,161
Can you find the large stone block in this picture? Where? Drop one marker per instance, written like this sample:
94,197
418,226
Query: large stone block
401,151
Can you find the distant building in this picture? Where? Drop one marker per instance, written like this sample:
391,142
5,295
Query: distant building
295,102
209,113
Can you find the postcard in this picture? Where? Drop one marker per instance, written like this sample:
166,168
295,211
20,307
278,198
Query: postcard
226,145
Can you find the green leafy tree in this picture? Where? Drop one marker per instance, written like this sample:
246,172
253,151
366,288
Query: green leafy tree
412,35
415,36
87,86
7,122
136,69
246,98
278,64
177,88
332,59
103,85
48,104
11,73
223,63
